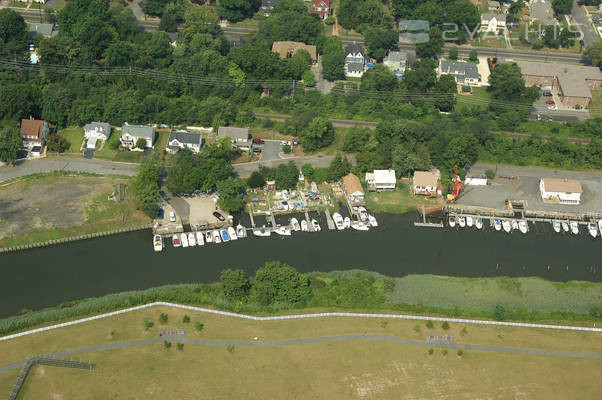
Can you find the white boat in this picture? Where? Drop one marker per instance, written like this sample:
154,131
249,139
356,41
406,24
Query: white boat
295,224
363,213
593,231
497,224
479,223
462,222
347,222
507,226
157,242
208,237
514,224
469,221
574,227
359,226
224,234
600,226
241,232
216,237
184,240
191,240
523,226
200,241
232,233
372,221
338,221
175,241
303,225
316,226
557,227
452,221
565,226
261,232
283,230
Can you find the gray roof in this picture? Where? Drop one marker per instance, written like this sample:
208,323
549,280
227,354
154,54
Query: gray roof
139,131
396,56
236,134
495,4
571,78
355,67
269,4
542,11
354,48
413,25
460,69
102,127
173,36
185,137
45,30
490,16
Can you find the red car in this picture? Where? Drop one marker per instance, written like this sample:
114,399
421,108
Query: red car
550,102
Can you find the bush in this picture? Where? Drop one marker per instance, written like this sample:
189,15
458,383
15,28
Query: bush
463,332
180,346
198,326
444,352
445,325
166,344
56,142
329,20
460,353
186,319
417,328
384,324
473,55
490,174
429,324
230,348
141,144
431,351
286,149
147,324
500,313
163,318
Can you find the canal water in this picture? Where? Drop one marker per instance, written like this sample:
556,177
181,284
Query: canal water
48,276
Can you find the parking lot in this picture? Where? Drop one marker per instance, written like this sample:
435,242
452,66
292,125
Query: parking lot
271,150
562,113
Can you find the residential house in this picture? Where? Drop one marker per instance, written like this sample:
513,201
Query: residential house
425,183
396,61
182,139
381,179
46,30
99,130
355,60
573,83
493,5
288,49
493,22
268,5
562,191
464,73
353,188
235,40
239,136
174,37
34,132
270,185
542,11
322,8
131,133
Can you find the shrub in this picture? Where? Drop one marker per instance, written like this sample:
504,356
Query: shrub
286,149
230,348
329,20
490,174
463,331
429,324
444,352
460,353
473,55
147,324
56,142
500,313
417,328
431,351
198,326
141,144
186,319
180,346
445,325
383,323
163,318
166,344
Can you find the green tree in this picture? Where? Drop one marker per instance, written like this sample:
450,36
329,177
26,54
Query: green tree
147,324
319,134
447,89
235,283
154,7
500,313
453,53
57,143
429,324
445,325
287,176
231,193
13,33
490,174
562,6
198,326
185,319
280,283
339,167
10,141
333,59
256,180
473,55
166,344
163,318
141,143
593,54
308,171
379,79
286,149
146,187
180,346
308,78
356,139
433,46
237,10
172,15
507,84
379,41
119,54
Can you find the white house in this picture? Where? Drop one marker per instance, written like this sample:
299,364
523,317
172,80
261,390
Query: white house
425,182
381,179
239,136
493,22
182,139
99,130
353,188
562,191
355,60
131,133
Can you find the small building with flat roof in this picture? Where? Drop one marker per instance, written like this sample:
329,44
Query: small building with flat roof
561,191
381,179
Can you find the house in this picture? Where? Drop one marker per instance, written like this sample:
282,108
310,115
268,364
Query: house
493,5
288,49
425,183
174,37
542,11
493,22
322,8
396,61
573,83
131,133
235,40
239,137
355,69
562,191
34,132
268,5
99,130
46,30
355,60
270,185
182,139
464,73
353,188
381,179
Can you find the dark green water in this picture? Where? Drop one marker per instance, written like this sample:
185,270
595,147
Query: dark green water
48,276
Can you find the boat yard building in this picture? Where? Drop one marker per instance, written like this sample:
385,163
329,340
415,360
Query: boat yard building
561,191
353,189
425,183
239,136
381,179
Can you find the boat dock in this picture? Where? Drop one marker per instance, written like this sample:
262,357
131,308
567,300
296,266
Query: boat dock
329,220
251,216
272,219
310,227
428,224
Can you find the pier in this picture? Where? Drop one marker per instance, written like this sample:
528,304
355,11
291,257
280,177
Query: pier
329,220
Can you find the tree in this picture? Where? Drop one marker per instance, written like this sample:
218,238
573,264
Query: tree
319,133
490,174
432,47
166,344
280,283
57,143
10,142
339,167
593,54
357,139
562,6
198,326
379,41
287,176
429,324
146,187
237,10
286,149
163,318
180,346
506,82
185,319
500,313
308,78
308,172
379,79
333,59
447,88
141,143
453,53
256,180
445,325
235,284
147,324
172,15
13,33
231,192
473,55
154,7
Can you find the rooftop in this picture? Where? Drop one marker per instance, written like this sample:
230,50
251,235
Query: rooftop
384,176
460,68
562,185
490,16
102,127
46,30
185,137
139,131
425,178
352,184
396,56
32,127
354,48
236,134
571,78
289,49
541,10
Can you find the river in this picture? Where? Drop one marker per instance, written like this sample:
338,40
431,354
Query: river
48,276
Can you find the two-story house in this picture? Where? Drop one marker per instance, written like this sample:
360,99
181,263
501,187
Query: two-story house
464,73
493,22
130,134
182,139
34,132
323,8
99,130
355,60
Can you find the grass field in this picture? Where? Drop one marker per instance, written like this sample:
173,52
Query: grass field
75,137
479,98
595,104
399,201
358,369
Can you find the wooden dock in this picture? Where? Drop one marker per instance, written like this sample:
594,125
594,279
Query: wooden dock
251,216
329,220
310,227
272,220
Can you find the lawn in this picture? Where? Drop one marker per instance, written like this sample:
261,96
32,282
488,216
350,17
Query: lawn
75,137
480,97
595,104
399,201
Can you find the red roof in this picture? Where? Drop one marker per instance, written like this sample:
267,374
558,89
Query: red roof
322,3
32,127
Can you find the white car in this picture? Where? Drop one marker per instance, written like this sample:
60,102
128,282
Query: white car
552,108
282,142
172,216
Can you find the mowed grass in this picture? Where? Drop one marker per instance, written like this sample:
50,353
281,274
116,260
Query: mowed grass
399,201
595,104
480,97
75,137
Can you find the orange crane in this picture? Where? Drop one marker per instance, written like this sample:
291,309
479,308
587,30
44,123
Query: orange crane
457,186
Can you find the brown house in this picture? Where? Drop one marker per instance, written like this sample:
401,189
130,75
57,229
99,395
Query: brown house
34,132
289,49
353,188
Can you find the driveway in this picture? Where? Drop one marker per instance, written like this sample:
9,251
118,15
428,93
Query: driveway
578,16
271,150
323,85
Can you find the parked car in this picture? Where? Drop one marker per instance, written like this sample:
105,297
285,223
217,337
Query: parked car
283,142
258,141
552,108
219,216
172,216
539,117
160,213
550,102
550,118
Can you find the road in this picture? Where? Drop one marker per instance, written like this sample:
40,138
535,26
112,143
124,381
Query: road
271,150
245,170
579,16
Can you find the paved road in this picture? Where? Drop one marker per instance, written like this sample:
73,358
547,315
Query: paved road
579,16
245,170
506,170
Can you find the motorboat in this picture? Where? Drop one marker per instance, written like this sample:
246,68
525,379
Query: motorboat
507,226
462,221
261,232
295,224
452,221
157,242
191,240
316,226
184,239
469,221
514,224
208,237
363,213
600,226
175,241
359,226
216,237
372,221
338,221
347,222
232,233
523,226
224,235
497,224
241,232
574,227
303,225
283,230
557,227
479,223
565,226
200,241
593,231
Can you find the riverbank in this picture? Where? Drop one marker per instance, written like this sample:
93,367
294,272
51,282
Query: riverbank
399,201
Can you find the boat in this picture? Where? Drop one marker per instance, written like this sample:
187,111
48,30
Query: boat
347,222
208,237
359,226
303,225
497,224
557,227
191,240
514,224
261,232
523,226
184,240
316,226
452,221
507,226
199,239
175,241
338,221
232,233
295,224
372,221
283,230
157,242
479,223
593,231
574,227
461,222
363,213
241,232
216,237
565,226
600,226
224,234
469,221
